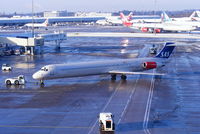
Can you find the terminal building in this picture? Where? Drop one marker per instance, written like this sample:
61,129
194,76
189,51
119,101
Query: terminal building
24,20
51,14
54,17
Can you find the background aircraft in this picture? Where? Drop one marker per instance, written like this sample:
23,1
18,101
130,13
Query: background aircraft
195,16
167,20
38,25
116,20
113,20
165,26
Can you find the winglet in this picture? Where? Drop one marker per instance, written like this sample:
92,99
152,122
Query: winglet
166,51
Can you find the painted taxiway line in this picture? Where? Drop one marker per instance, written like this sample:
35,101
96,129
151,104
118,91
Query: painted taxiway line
108,102
148,107
26,91
63,127
129,100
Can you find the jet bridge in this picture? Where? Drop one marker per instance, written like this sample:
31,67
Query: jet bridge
58,37
31,42
28,42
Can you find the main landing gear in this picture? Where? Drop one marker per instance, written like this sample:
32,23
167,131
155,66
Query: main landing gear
113,77
41,83
123,77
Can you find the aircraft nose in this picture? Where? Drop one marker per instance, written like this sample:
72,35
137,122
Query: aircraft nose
36,76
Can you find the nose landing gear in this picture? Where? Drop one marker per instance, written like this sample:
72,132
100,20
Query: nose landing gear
41,83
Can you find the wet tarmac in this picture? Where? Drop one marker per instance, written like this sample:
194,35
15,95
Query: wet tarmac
142,104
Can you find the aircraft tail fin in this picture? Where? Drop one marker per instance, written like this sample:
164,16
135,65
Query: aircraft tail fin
46,23
166,51
198,13
165,17
193,14
122,16
125,21
130,16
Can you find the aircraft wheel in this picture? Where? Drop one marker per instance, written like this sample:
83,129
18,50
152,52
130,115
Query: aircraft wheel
113,126
16,82
101,128
8,82
123,77
113,77
41,83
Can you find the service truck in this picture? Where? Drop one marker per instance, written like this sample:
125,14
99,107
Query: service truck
106,122
6,67
20,80
153,49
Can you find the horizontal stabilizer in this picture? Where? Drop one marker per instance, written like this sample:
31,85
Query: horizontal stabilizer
132,73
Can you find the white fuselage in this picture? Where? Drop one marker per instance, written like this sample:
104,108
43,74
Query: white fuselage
164,26
37,25
184,23
135,19
93,68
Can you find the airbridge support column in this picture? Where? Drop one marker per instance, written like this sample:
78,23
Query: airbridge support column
29,50
58,43
33,43
26,50
32,51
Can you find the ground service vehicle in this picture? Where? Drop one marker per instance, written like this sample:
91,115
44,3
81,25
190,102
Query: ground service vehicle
153,50
20,80
106,122
6,67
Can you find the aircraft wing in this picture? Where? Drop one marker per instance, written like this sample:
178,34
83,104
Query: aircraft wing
132,73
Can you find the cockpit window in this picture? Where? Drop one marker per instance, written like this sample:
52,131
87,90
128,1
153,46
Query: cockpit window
44,69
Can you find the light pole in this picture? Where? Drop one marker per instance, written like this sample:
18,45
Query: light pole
155,8
33,18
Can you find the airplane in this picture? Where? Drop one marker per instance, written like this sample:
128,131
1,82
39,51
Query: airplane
113,20
164,26
167,20
141,19
102,22
38,25
195,16
121,67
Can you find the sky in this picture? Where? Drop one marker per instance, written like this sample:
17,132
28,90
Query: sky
24,6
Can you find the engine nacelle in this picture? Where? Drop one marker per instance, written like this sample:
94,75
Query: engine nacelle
127,23
157,30
144,29
149,65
